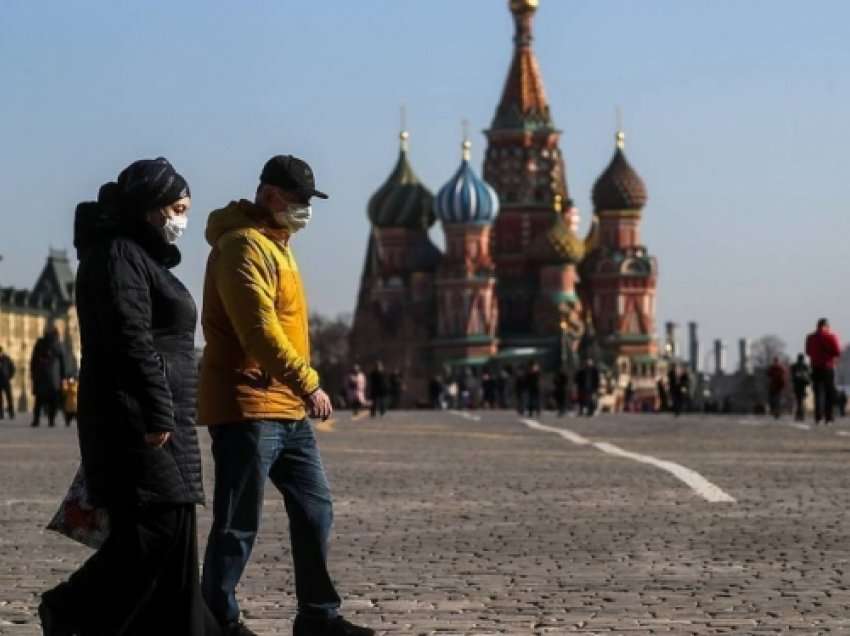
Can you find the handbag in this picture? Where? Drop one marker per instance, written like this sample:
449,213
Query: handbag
77,518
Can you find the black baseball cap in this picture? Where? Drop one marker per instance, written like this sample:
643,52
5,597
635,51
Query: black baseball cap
291,173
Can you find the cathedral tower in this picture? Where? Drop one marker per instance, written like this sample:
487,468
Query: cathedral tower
393,321
620,275
467,311
524,164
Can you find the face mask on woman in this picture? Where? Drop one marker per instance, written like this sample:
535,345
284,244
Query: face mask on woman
171,221
174,227
294,217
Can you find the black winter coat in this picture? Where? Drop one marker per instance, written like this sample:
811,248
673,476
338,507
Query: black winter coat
138,373
47,367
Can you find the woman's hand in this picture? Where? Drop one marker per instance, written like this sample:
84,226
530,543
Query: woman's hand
157,440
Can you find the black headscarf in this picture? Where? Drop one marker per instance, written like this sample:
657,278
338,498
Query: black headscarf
144,185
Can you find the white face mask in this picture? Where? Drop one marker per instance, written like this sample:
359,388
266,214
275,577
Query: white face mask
174,227
295,217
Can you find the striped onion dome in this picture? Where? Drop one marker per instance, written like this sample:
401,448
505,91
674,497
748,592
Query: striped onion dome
466,198
402,201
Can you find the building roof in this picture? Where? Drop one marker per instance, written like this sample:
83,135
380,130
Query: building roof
619,187
523,104
402,201
57,279
466,197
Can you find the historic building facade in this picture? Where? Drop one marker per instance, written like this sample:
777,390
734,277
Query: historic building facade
516,282
25,314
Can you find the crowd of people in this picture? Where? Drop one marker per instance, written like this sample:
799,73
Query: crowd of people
823,350
524,388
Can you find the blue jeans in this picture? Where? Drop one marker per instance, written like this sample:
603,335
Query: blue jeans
245,454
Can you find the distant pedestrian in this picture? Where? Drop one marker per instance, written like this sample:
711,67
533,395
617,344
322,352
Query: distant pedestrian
378,390
628,397
823,349
452,392
685,391
7,372
488,388
560,391
776,383
520,391
70,389
355,387
663,396
436,392
471,390
841,402
588,382
395,389
673,379
503,379
532,387
47,370
801,378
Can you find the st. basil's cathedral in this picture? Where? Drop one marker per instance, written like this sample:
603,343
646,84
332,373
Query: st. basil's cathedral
515,283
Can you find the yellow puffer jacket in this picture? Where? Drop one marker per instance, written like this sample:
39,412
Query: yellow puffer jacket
256,363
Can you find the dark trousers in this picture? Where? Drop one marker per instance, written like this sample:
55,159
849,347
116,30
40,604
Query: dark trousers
561,402
69,417
6,392
775,400
246,454
533,403
142,581
823,385
45,403
799,399
587,404
379,405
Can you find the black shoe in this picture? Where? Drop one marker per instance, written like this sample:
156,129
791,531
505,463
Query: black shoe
236,628
34,424
50,624
305,626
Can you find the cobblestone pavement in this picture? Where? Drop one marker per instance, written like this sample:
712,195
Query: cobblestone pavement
456,525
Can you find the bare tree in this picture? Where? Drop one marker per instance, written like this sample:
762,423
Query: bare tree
766,348
329,348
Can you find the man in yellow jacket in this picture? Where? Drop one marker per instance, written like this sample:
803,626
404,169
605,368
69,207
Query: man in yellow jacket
257,389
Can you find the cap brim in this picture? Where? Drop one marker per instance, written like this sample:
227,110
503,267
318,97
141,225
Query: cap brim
316,193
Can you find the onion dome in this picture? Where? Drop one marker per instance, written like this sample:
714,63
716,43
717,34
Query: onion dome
466,198
559,244
619,187
402,201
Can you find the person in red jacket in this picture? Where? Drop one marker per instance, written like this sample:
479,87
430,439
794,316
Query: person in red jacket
823,349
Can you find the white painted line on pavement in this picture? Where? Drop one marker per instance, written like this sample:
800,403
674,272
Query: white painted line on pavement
466,416
843,433
575,438
693,479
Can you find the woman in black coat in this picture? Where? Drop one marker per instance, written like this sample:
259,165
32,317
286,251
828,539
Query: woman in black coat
138,380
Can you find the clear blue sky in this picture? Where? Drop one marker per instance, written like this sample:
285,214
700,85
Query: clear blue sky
736,115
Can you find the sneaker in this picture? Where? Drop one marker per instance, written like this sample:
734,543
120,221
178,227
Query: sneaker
237,628
50,624
338,626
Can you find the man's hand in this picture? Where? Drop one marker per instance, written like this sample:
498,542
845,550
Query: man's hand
157,440
319,404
